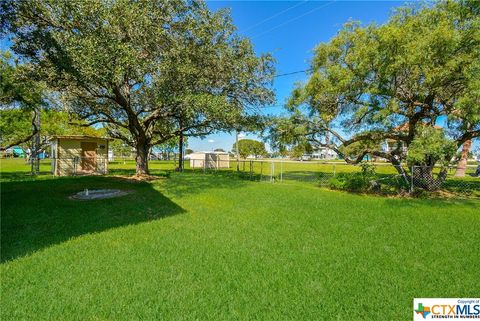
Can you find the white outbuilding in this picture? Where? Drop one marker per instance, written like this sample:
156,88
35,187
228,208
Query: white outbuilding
209,160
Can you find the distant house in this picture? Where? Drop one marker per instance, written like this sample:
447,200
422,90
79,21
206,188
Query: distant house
324,153
391,144
79,155
209,160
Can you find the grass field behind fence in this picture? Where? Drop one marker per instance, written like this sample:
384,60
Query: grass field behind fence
263,167
215,247
313,172
320,173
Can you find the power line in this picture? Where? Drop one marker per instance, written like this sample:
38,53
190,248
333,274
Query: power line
292,73
293,19
273,16
272,106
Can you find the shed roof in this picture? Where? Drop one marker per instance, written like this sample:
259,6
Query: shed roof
405,126
77,137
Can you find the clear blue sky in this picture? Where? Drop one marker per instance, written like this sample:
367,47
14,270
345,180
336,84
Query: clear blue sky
290,30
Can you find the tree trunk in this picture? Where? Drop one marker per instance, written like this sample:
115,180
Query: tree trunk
424,178
398,166
421,176
180,153
34,157
462,163
142,158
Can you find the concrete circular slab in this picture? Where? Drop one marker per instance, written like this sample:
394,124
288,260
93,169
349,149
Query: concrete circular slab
96,194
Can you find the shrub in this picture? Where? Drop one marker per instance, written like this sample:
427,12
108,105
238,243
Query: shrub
354,182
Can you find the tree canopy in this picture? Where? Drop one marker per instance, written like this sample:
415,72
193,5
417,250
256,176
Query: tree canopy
250,147
146,70
22,95
393,82
16,125
301,149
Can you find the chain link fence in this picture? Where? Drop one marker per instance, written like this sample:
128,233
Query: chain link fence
79,166
444,178
371,177
366,177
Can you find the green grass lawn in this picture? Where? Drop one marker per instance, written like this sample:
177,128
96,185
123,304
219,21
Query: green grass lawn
213,247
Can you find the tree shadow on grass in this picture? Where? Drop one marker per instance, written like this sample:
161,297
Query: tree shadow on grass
131,172
22,176
37,214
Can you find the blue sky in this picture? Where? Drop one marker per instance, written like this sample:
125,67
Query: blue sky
290,30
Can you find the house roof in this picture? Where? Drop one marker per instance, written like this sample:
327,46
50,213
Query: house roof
77,137
405,126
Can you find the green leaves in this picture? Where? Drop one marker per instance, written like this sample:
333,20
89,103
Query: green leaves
374,83
147,71
429,147
16,88
250,147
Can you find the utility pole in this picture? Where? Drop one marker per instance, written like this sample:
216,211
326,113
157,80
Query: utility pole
237,150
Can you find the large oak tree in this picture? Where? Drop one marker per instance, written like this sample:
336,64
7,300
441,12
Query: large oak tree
394,84
146,70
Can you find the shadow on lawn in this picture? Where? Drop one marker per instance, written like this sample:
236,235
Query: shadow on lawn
131,172
22,176
37,214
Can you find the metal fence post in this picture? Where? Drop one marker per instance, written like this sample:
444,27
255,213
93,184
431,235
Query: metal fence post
281,171
334,170
261,170
251,170
411,179
272,172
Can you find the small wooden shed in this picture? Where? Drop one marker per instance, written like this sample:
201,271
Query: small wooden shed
79,155
209,160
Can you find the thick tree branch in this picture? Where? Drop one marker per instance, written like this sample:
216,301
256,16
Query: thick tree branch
26,139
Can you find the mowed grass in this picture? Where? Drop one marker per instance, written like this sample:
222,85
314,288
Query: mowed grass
212,247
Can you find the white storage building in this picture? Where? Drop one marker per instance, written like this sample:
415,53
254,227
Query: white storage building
209,160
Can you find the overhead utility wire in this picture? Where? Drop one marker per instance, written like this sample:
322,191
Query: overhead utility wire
273,16
293,19
292,73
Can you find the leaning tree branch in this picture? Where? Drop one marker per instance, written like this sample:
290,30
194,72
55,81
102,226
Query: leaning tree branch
26,139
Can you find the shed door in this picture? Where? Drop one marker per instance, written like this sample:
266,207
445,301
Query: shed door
89,156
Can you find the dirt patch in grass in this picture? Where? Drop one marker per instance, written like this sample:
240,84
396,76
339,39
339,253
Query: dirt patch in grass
138,178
